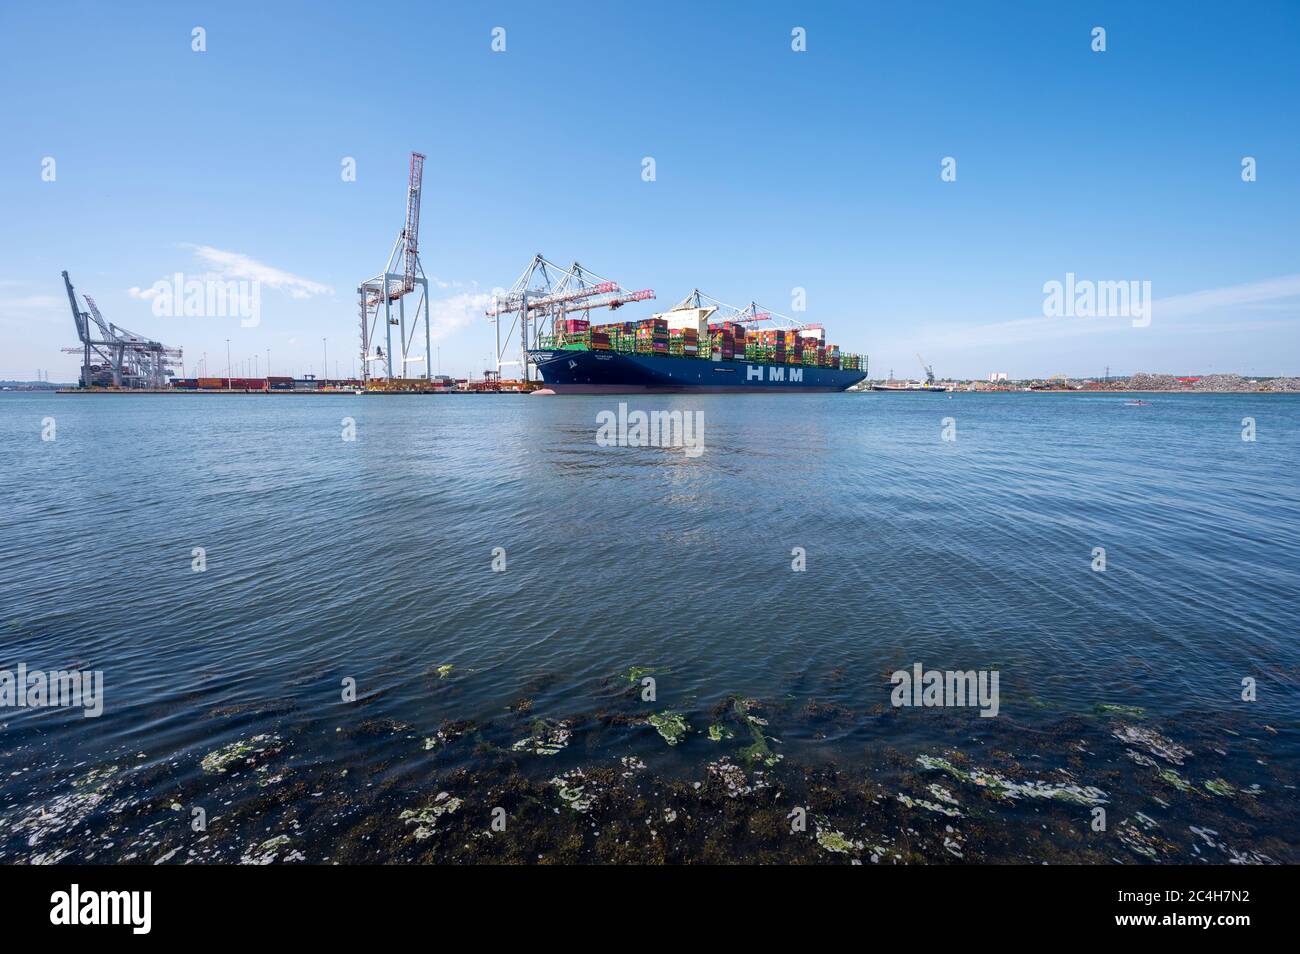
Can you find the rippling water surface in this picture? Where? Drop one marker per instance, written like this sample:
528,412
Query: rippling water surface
371,560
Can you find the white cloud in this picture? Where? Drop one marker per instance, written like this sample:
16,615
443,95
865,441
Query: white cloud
1251,296
33,301
235,266
222,265
1253,293
449,315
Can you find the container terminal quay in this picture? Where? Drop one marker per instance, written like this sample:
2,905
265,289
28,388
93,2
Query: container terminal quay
547,342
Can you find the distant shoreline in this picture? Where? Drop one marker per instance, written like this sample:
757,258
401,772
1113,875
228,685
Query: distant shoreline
957,390
1131,391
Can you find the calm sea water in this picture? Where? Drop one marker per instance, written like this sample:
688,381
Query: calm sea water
371,560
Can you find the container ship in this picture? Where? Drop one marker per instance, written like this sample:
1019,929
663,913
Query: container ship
680,350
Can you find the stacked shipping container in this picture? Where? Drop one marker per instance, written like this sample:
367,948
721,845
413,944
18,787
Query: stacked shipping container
725,341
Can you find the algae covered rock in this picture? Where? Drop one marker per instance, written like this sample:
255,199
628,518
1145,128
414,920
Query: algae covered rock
1002,787
671,725
426,819
241,751
1153,742
733,779
1220,787
548,738
836,842
1110,708
575,790
271,850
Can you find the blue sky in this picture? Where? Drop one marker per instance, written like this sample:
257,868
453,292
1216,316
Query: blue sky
775,170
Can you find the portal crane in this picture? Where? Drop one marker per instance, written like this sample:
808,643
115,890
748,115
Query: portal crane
125,359
544,294
401,277
752,313
929,371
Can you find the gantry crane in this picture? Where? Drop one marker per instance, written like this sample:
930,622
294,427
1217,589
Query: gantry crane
401,277
698,299
544,294
117,357
749,314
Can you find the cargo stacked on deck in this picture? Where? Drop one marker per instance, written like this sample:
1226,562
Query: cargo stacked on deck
652,336
655,354
617,336
684,343
573,334
280,384
722,346
794,351
185,384
777,340
625,336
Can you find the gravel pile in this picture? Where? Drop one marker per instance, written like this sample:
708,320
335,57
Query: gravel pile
1147,381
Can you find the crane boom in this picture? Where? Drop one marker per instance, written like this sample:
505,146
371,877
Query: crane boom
929,371
383,298
545,293
411,233
118,357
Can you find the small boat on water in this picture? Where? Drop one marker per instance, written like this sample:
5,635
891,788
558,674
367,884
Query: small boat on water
1137,403
933,389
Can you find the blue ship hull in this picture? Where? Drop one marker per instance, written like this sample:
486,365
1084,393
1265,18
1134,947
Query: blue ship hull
616,372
